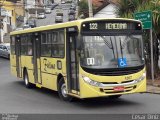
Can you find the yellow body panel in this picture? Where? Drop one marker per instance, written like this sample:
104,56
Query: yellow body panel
13,60
26,62
13,64
87,91
50,72
39,71
49,81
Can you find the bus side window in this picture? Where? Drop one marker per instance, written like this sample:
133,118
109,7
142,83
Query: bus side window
58,44
45,45
30,43
13,45
24,45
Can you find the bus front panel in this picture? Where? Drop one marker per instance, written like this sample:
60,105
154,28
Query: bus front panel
111,58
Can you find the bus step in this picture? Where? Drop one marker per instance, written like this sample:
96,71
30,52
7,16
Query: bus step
38,85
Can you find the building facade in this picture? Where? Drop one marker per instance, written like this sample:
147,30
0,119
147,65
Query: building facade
34,7
105,8
8,19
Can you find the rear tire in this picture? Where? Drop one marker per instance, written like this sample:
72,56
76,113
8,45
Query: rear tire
26,80
62,91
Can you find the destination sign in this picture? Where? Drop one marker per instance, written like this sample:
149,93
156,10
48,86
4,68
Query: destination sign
116,26
108,25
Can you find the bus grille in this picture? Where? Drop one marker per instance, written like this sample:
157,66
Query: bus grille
111,89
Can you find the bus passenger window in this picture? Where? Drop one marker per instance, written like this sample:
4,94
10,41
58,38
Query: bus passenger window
30,43
58,44
45,45
30,51
13,45
24,45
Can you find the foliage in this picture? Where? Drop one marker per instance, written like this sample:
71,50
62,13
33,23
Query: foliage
83,8
127,8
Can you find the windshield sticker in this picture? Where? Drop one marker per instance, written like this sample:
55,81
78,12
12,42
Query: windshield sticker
90,61
122,62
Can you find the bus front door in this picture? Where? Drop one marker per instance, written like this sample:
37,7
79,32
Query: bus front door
72,64
18,55
36,59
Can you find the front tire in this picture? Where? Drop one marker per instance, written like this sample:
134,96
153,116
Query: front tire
26,80
62,91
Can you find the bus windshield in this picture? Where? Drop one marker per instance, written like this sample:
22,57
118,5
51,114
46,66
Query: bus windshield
101,52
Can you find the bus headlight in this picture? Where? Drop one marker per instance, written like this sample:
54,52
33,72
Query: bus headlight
92,82
141,78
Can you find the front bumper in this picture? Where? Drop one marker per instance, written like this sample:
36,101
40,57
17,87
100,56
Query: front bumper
88,91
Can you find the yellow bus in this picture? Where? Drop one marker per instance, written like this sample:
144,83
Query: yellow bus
83,58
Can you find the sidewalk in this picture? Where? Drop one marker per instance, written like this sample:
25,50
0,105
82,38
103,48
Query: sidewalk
153,88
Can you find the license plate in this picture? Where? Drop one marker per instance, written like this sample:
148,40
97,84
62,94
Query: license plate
119,88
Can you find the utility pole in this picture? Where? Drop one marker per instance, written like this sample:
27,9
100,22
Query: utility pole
90,8
1,19
152,64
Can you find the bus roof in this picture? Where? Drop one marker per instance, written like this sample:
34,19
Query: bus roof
63,25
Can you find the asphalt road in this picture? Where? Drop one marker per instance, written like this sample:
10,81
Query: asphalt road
50,18
15,98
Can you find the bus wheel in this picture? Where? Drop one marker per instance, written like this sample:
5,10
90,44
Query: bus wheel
26,80
115,96
62,91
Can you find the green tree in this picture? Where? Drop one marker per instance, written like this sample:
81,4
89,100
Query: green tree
83,9
127,8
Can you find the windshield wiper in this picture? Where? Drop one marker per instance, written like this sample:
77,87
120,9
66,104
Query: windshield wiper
121,47
105,41
108,44
112,48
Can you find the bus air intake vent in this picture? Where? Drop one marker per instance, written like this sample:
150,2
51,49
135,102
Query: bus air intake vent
114,72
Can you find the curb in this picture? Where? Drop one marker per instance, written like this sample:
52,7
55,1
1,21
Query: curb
153,85
152,93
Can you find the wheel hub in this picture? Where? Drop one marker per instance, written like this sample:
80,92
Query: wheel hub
64,90
26,80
